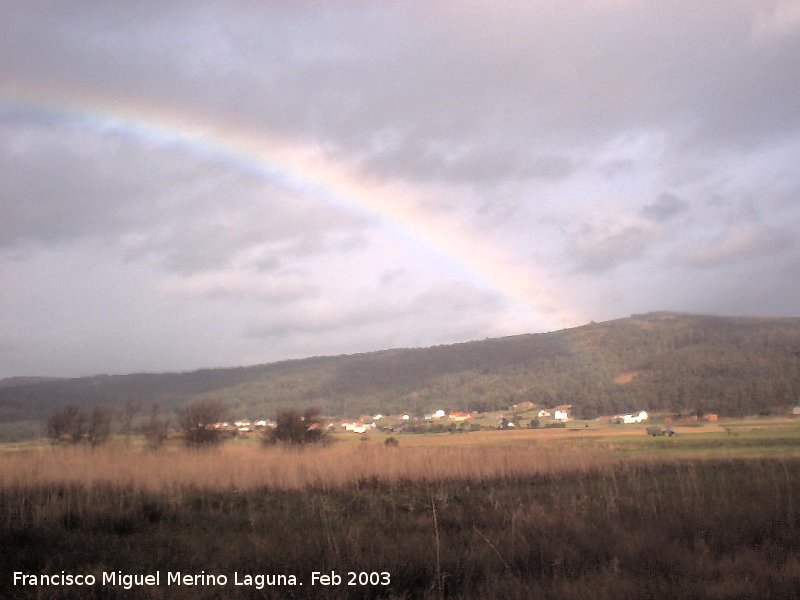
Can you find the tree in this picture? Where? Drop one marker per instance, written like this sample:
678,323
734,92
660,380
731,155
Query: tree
66,426
197,422
298,428
156,429
98,430
127,413
71,425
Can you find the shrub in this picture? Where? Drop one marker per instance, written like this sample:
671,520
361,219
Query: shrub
197,421
298,428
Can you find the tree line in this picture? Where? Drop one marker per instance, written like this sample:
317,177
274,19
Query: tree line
197,425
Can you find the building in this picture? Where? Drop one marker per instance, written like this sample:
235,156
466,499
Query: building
561,413
459,416
631,418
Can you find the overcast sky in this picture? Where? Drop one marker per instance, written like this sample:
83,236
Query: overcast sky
197,184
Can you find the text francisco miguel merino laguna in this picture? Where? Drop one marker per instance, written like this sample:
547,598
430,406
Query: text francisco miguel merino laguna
175,578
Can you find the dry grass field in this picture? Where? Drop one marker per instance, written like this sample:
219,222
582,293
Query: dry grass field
249,466
610,513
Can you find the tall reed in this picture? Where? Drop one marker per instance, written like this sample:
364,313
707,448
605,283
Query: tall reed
248,467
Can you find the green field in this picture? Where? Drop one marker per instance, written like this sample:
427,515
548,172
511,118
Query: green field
756,437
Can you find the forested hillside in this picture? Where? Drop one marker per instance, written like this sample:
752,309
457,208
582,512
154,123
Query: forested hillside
658,361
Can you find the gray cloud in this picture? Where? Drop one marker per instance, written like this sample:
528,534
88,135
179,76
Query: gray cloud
443,161
739,242
446,301
63,184
272,292
480,104
498,150
618,166
392,275
599,248
53,188
665,207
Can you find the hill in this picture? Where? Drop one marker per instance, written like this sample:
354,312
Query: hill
658,361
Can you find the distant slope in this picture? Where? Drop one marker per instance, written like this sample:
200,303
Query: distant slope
18,381
658,361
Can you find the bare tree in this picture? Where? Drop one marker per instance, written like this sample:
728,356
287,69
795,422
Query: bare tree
98,430
71,425
67,426
156,429
126,414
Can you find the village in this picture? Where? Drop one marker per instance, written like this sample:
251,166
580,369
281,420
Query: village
525,415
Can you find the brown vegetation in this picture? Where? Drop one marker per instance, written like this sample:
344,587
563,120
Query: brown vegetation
553,518
286,468
689,529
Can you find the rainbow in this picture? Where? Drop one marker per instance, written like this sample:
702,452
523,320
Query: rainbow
306,170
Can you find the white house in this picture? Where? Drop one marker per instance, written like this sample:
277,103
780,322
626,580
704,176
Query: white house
628,419
356,427
796,410
438,414
543,413
561,412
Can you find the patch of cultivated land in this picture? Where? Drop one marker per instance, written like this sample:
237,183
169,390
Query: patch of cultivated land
603,513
